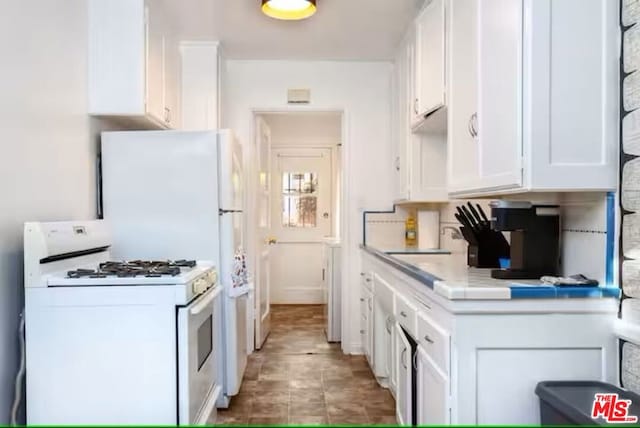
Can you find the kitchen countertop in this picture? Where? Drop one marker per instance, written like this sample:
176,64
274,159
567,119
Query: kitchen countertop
449,276
410,250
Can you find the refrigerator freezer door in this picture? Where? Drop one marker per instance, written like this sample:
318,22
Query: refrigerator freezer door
160,194
230,171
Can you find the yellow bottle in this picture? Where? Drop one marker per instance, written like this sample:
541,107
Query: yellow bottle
410,232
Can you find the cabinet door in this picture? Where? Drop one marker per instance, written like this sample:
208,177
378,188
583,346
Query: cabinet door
500,93
400,126
154,59
370,333
462,148
403,394
172,116
412,76
393,359
430,58
403,87
433,392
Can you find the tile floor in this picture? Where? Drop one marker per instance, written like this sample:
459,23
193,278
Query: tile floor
299,378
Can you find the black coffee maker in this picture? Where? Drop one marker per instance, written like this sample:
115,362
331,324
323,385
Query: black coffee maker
535,238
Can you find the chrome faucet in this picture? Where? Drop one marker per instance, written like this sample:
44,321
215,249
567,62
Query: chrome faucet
455,232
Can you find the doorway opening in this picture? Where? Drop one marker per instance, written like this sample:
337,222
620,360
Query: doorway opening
297,210
296,376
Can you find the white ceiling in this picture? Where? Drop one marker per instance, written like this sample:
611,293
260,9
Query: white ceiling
340,30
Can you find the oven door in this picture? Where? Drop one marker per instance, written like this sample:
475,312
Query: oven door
197,357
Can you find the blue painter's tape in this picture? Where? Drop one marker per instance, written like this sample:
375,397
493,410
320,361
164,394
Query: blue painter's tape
611,232
567,292
535,292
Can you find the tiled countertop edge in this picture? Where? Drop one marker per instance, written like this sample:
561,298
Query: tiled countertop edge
516,292
407,268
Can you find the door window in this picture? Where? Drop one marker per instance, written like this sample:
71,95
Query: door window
299,199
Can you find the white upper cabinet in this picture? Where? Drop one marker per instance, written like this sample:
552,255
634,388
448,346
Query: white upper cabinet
133,62
400,122
200,89
462,146
533,98
172,81
430,60
499,114
419,161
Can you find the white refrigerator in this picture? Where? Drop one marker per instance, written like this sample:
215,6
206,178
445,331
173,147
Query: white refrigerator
179,195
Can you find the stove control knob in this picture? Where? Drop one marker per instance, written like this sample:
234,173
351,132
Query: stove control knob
198,286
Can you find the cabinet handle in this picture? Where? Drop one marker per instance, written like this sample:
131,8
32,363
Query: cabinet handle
361,331
167,114
428,339
415,106
322,274
404,352
362,299
368,279
474,126
369,302
403,314
415,361
397,163
361,273
388,325
470,127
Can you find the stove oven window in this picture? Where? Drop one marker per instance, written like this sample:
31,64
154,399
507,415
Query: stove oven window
205,341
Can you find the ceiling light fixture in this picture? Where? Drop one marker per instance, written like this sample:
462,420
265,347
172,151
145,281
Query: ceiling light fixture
289,9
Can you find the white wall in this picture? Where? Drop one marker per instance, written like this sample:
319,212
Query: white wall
47,164
362,91
305,129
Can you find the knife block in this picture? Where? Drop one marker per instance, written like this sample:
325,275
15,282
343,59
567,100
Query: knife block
486,248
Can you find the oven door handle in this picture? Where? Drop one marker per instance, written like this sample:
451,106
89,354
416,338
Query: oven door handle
204,301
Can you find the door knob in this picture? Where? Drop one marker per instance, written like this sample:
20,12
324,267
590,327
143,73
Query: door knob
271,241
325,215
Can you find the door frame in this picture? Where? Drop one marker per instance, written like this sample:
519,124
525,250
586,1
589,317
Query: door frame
349,345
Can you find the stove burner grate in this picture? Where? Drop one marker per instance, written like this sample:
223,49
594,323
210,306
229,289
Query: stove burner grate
133,269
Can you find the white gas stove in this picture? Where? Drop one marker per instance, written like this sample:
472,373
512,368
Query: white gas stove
190,278
116,342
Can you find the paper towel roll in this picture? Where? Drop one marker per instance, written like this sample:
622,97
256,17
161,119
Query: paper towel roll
428,229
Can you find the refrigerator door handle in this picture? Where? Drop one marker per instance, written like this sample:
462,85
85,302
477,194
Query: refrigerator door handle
222,212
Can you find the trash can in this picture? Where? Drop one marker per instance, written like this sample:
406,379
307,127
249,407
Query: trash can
572,403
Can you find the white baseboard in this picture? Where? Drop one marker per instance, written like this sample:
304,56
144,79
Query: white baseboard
298,296
355,348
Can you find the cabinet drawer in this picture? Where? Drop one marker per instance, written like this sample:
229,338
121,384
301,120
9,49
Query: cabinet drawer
434,340
405,312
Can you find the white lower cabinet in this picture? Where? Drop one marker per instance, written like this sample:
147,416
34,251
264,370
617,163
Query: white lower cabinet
366,318
433,392
478,362
403,363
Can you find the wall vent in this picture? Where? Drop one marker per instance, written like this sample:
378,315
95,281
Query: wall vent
299,96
